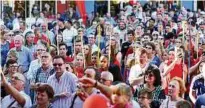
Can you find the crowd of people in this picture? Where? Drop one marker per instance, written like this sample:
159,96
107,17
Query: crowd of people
147,56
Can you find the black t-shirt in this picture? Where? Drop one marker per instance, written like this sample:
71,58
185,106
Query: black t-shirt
115,70
125,47
61,30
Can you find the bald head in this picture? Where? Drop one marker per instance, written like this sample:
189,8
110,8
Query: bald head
90,73
106,78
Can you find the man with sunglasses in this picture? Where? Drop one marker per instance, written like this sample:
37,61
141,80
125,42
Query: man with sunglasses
63,83
17,98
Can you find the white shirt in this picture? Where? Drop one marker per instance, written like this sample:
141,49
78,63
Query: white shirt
95,48
67,83
35,64
68,35
135,72
78,103
6,101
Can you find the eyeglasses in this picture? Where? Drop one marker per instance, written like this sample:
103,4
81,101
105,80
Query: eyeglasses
14,66
59,64
41,50
44,56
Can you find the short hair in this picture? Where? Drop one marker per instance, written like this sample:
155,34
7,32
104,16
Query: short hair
156,72
46,88
182,87
10,61
108,74
90,67
131,32
143,51
145,91
62,44
59,57
123,89
183,104
148,34
151,44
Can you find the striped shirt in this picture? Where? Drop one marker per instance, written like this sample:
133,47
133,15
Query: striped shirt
66,83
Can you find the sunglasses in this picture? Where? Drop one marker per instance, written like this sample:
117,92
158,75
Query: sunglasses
149,75
59,64
102,80
16,78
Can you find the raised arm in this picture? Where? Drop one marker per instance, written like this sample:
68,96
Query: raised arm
12,91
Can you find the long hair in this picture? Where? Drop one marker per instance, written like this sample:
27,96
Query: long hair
156,73
88,56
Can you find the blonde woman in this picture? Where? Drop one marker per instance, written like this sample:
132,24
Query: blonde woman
176,90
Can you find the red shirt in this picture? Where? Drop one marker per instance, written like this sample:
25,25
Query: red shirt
68,59
12,45
79,71
43,38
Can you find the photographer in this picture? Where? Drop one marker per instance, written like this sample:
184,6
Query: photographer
17,98
175,67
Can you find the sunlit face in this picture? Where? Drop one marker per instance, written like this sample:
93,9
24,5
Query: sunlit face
117,98
60,38
149,49
149,78
143,100
103,62
30,39
42,98
40,49
94,59
79,61
143,58
45,58
78,47
62,50
171,55
201,66
86,49
59,65
18,41
13,68
173,88
16,82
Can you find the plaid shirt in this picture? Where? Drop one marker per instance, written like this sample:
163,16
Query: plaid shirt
42,75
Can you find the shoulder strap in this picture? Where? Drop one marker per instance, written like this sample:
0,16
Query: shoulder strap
72,103
37,73
11,103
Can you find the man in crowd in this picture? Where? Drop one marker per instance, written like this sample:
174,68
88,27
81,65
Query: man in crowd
17,97
63,83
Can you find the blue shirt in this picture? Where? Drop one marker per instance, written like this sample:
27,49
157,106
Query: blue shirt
4,52
24,57
200,101
199,86
155,61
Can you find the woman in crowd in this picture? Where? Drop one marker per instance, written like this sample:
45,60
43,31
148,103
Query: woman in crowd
87,52
176,90
197,87
29,41
45,94
79,65
152,81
